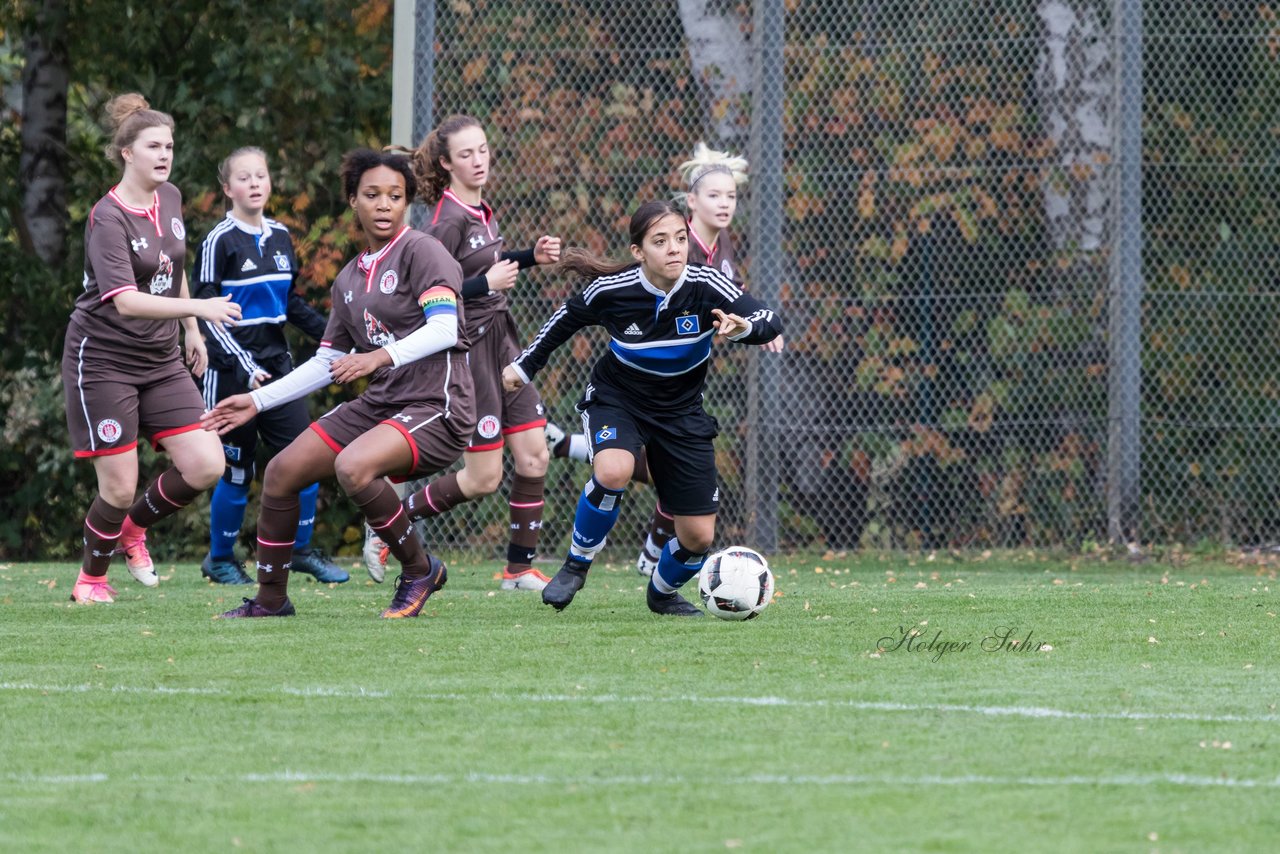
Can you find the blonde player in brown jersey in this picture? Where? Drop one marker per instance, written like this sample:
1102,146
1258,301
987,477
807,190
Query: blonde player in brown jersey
123,370
453,167
396,319
711,180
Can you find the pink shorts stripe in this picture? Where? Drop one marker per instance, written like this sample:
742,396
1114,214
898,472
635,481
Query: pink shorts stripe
520,428
476,449
413,446
165,434
326,438
107,452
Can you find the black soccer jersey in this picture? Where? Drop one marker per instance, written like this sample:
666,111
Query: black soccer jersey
258,269
659,343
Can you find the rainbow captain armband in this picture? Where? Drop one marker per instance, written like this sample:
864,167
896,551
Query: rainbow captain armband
438,301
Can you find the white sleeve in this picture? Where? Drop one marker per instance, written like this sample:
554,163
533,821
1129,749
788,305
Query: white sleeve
310,375
439,333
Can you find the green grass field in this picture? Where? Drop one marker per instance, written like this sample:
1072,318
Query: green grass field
492,723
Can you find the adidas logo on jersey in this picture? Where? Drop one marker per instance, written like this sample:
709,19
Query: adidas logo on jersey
248,266
632,330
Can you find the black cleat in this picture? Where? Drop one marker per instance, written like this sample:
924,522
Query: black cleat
669,604
567,582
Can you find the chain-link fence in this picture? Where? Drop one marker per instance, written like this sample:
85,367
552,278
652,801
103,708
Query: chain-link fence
1026,253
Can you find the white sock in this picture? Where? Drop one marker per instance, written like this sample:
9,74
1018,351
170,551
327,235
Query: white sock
578,448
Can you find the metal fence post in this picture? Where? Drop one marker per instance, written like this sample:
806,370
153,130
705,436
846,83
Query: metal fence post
424,67
1125,322
764,442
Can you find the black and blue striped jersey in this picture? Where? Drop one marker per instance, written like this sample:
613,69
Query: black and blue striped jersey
660,343
258,270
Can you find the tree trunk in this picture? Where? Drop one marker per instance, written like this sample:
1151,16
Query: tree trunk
721,59
1074,84
42,166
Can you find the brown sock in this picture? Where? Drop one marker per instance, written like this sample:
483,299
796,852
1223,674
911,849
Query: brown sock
277,529
101,533
526,520
382,509
662,527
167,494
438,496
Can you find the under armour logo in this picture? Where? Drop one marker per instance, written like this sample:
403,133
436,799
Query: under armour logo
476,241
346,295
265,567
139,244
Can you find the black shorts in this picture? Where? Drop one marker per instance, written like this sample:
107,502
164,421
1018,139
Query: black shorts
680,450
277,427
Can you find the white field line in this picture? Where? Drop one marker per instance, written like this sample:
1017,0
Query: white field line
619,699
1122,780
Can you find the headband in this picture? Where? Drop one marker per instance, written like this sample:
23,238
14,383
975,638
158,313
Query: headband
709,170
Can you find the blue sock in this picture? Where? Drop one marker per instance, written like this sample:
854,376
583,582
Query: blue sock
598,509
226,515
676,566
306,517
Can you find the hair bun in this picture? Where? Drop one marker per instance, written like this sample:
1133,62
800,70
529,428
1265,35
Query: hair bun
121,107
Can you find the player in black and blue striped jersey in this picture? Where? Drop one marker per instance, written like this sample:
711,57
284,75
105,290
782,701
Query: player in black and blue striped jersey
661,314
251,257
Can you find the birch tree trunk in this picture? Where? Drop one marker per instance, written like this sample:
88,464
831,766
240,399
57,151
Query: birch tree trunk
42,165
1073,79
721,59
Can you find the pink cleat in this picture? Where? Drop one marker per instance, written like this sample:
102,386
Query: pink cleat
133,542
89,589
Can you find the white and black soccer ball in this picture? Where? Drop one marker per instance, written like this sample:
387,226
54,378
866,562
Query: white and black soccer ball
735,583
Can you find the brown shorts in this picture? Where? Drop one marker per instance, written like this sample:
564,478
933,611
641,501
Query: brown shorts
498,412
435,440
108,409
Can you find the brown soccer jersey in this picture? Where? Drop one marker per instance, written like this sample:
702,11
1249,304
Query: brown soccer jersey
718,255
126,249
470,234
377,299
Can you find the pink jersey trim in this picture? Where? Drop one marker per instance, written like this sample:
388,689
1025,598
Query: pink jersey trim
413,446
117,292
710,253
382,253
107,452
153,214
484,213
520,428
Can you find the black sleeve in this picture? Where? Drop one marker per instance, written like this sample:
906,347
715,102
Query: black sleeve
300,313
559,328
765,325
523,257
476,286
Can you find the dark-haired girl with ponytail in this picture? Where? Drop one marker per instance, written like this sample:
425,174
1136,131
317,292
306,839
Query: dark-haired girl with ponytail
646,393
453,166
397,319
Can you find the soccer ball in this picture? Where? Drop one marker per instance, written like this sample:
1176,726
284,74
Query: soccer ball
735,583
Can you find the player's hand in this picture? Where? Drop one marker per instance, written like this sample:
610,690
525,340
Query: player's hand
502,275
774,346
219,310
355,365
728,325
511,380
195,354
229,414
259,377
547,249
